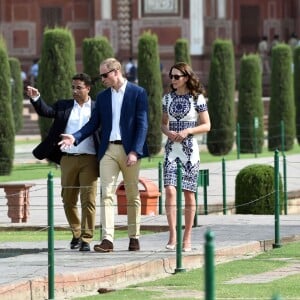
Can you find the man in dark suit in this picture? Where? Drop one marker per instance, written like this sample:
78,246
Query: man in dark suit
79,166
121,114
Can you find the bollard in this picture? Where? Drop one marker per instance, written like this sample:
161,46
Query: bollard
209,266
277,203
204,181
160,186
238,140
255,127
179,220
50,238
282,136
285,186
224,186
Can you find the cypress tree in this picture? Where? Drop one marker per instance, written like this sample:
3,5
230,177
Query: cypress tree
56,69
297,89
149,77
182,53
250,105
282,105
7,136
221,87
16,92
94,51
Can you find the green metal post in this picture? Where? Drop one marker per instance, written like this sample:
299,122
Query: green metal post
285,186
224,186
196,203
238,140
204,181
160,187
179,220
282,136
50,238
209,266
277,204
205,191
255,126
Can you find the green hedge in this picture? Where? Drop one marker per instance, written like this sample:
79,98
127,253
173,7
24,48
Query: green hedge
255,190
149,77
282,105
17,93
94,51
56,69
7,136
250,105
182,51
221,88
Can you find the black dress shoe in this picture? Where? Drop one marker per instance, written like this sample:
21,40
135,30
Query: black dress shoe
84,246
134,245
75,243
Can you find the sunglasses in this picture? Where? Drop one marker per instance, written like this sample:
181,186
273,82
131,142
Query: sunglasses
176,77
105,75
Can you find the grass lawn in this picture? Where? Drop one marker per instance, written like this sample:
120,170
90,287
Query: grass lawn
190,285
23,172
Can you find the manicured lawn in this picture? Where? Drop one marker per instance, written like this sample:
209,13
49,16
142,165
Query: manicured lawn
190,285
23,172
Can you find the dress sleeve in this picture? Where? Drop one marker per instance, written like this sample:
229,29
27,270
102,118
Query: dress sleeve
201,104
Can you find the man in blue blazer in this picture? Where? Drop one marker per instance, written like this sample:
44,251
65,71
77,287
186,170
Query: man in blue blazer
121,115
79,167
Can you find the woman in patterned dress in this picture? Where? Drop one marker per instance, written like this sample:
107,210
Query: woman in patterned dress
184,116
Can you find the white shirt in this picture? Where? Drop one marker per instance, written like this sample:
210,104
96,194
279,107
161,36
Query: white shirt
117,101
79,116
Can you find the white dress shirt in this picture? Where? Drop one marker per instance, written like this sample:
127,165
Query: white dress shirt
79,116
117,101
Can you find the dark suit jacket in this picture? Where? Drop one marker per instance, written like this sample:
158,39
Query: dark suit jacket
133,122
60,111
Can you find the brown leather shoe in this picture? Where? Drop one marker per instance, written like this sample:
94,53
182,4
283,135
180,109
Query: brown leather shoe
134,245
105,246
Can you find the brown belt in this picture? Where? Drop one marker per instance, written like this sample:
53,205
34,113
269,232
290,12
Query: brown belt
118,142
75,154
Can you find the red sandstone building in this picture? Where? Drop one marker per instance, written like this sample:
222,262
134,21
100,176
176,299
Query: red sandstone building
200,21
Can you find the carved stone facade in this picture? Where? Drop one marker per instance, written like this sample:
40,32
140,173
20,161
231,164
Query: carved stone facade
122,21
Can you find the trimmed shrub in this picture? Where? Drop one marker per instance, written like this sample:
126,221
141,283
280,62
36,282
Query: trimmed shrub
149,77
182,52
282,104
297,90
255,190
94,51
250,106
221,87
7,136
16,92
56,69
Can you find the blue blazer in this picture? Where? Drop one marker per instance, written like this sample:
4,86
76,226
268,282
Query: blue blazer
133,121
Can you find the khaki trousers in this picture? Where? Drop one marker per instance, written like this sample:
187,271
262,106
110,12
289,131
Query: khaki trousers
111,164
80,174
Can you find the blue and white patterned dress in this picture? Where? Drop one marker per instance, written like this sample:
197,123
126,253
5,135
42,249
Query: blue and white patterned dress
183,112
